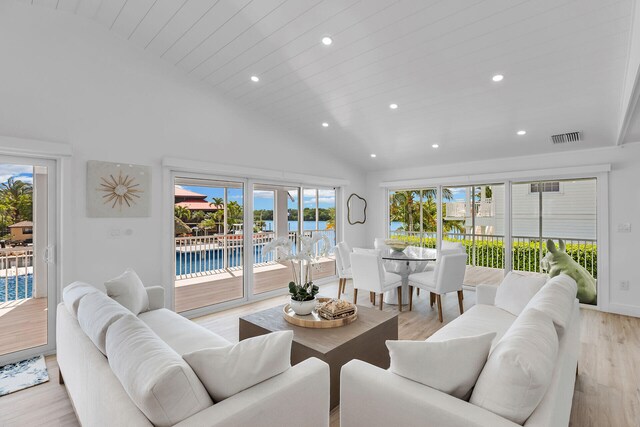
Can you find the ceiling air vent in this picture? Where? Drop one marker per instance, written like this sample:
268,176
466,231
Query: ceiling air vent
562,138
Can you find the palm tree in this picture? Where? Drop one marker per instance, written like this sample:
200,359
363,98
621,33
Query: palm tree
182,212
16,196
216,201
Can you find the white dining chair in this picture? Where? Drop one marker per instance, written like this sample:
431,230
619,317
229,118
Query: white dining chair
369,275
379,243
446,277
450,247
343,265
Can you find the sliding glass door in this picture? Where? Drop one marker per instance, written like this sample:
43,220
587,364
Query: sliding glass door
221,227
209,242
27,257
275,214
555,210
319,217
474,216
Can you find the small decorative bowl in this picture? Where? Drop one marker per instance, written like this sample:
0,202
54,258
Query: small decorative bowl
396,245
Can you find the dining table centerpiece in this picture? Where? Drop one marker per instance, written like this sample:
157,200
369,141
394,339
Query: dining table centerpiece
303,260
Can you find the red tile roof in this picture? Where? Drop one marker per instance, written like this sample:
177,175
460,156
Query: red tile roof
181,192
198,205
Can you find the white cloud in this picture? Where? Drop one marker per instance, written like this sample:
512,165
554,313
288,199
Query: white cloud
263,194
23,172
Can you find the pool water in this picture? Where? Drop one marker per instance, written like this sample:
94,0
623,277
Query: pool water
8,286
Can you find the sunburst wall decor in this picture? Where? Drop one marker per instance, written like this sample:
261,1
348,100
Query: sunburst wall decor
117,190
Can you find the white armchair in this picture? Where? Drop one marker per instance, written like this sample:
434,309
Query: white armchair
368,274
447,277
343,265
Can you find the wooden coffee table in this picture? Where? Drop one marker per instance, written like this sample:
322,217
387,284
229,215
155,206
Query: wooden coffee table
363,339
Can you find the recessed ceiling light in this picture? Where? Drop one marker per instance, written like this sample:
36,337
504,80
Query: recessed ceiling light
393,106
326,40
497,78
522,132
435,145
373,156
325,124
255,79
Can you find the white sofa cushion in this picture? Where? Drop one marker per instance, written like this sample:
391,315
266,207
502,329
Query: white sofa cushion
478,320
225,371
95,314
180,333
128,290
154,376
556,299
516,290
73,293
519,369
451,366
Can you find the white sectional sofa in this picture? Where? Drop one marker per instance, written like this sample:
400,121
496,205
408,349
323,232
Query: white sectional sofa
99,398
371,396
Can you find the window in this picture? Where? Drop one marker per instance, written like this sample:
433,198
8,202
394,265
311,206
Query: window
545,187
413,216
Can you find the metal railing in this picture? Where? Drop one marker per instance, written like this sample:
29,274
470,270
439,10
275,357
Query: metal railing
16,279
461,210
526,252
198,256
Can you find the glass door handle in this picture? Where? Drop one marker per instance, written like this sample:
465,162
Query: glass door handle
49,254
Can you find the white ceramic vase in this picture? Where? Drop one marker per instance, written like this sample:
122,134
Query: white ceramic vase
303,308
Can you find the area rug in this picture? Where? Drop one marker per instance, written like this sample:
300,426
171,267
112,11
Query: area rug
24,374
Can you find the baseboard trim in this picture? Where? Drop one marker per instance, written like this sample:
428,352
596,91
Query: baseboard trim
627,310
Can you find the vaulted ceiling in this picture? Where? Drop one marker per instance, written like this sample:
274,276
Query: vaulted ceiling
563,62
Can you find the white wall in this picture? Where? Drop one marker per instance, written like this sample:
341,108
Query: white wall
624,204
66,79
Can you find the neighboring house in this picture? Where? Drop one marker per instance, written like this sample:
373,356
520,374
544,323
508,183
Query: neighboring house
568,210
193,201
21,231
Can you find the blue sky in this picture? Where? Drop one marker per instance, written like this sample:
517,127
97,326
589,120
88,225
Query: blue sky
264,199
21,172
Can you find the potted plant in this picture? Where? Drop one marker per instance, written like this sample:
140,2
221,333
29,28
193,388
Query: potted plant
303,291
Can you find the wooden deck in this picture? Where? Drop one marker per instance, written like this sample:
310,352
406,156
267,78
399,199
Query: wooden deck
606,392
227,286
23,324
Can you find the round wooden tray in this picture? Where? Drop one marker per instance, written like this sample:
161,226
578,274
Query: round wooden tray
314,320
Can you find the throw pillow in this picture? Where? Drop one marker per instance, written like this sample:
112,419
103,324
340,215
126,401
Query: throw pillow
96,313
228,370
557,299
128,290
516,290
73,293
519,369
154,376
450,366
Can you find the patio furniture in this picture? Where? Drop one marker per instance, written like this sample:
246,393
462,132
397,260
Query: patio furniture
368,274
447,277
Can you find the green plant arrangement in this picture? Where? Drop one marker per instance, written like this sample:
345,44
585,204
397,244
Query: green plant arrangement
311,249
306,292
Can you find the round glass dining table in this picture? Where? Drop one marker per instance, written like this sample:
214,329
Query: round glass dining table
411,260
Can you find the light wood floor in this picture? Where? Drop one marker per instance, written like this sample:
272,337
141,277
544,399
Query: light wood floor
23,324
607,389
227,286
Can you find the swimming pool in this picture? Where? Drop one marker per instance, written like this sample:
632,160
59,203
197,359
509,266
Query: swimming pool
8,285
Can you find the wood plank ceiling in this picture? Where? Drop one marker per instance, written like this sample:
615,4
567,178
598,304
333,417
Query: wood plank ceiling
563,63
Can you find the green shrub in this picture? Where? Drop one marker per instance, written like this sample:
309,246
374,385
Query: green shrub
525,255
